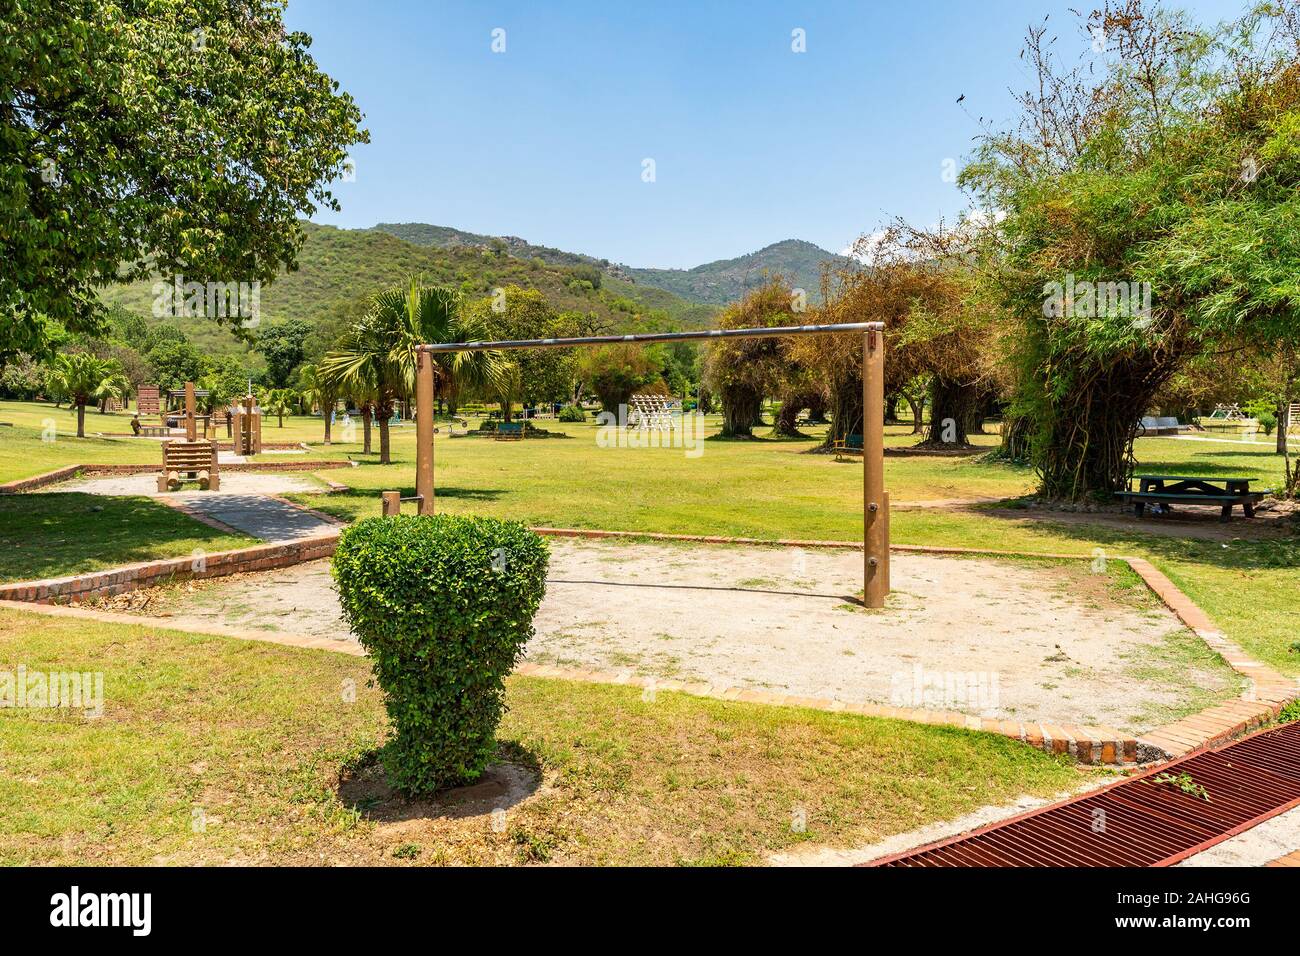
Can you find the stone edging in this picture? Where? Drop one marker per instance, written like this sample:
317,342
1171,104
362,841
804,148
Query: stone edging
1269,691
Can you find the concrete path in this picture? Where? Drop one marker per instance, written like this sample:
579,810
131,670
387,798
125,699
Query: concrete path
256,515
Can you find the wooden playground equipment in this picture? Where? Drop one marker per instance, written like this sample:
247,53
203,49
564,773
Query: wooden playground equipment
190,460
875,500
246,426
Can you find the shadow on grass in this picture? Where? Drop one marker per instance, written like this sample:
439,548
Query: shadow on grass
442,491
1258,546
51,534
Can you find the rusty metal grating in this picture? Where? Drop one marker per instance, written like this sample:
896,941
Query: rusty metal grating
1139,822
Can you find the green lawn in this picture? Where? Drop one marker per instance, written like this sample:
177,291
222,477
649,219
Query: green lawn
50,535
213,750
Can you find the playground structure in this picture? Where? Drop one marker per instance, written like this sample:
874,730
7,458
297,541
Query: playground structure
875,511
653,413
246,426
190,460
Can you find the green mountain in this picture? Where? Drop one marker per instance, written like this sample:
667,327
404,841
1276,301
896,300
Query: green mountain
799,263
714,283
338,269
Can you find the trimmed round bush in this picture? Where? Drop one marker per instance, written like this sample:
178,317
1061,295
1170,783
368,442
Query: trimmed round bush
444,605
572,413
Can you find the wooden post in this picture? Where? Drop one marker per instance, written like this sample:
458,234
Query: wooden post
392,503
424,432
190,433
875,517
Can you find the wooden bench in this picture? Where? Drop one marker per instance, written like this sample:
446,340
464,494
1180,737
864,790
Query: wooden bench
848,445
510,431
189,461
1183,489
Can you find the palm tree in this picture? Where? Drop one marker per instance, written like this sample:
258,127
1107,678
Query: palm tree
116,387
378,354
433,317
279,401
82,378
319,390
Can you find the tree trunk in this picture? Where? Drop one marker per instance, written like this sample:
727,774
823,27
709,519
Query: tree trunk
384,411
365,429
918,410
952,406
1016,432
741,407
1088,444
329,413
81,419
791,406
846,409
1282,423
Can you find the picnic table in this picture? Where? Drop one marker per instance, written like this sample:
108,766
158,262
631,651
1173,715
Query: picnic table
1191,489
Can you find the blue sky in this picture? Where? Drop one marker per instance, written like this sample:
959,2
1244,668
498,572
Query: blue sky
751,142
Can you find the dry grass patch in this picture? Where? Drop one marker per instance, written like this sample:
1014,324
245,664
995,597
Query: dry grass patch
213,750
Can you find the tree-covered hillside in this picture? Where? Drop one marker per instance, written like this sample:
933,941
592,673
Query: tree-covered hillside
799,263
340,268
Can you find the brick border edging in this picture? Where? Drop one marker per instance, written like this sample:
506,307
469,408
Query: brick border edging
1269,691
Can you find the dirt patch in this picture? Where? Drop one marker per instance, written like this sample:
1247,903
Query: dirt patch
501,787
1025,640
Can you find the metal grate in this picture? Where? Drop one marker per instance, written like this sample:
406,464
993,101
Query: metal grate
1139,822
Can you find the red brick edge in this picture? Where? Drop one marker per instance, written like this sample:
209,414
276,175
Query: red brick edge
1266,694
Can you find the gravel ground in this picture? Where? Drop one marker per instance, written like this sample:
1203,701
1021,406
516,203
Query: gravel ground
1005,639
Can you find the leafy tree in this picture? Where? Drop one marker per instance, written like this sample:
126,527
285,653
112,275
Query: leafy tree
1176,164
82,378
175,363
226,382
614,373
169,136
527,376
742,372
282,345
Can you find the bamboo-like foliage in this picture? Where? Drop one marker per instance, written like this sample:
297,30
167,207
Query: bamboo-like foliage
1171,164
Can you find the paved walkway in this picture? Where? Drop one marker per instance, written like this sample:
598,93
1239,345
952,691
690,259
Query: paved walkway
256,515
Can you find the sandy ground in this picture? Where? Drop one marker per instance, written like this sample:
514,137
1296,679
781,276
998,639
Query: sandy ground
232,483
999,638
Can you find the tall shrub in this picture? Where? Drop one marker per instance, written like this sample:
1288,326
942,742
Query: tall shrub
444,605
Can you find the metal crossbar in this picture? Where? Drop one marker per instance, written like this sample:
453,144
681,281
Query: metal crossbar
875,517
510,344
